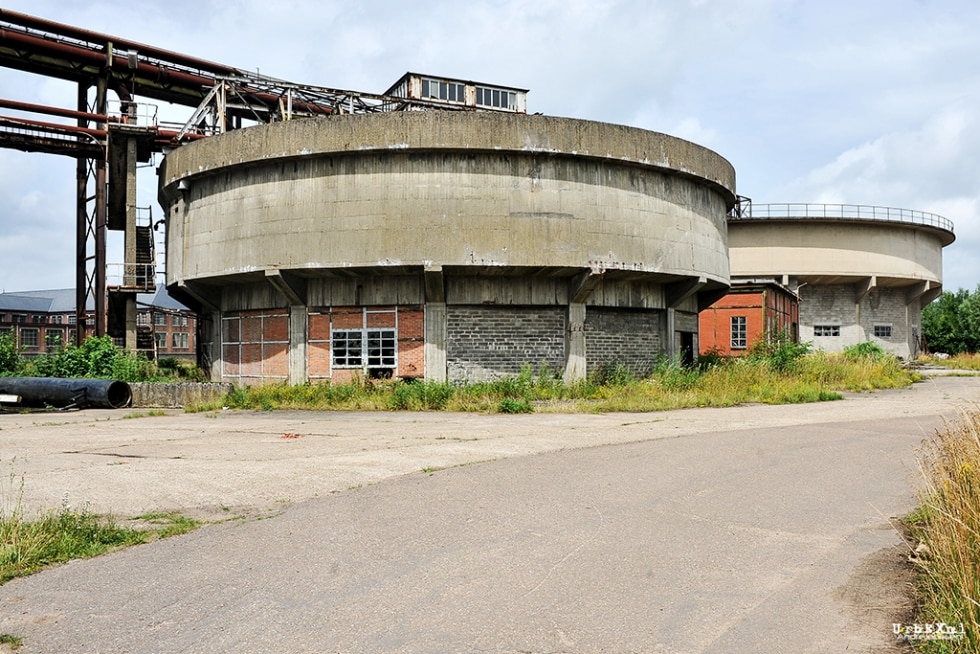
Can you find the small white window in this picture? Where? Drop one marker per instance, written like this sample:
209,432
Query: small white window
739,333
826,330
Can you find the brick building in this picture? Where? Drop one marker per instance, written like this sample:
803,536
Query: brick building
41,322
748,314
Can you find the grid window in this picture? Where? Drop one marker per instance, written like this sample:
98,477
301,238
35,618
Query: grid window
739,333
381,348
53,339
438,90
347,348
19,318
28,337
159,319
486,97
72,319
180,340
161,340
883,331
826,330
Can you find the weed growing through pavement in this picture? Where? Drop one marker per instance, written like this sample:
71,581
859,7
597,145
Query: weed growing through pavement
29,543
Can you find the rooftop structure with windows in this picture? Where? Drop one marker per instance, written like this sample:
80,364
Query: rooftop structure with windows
459,93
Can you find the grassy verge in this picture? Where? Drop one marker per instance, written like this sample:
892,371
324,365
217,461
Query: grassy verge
948,526
958,362
772,377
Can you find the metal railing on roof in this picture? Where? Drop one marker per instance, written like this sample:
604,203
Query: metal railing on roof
803,211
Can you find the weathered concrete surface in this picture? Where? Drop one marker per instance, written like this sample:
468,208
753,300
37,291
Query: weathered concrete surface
177,395
720,530
812,250
853,273
445,188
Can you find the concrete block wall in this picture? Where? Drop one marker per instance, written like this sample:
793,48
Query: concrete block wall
486,342
633,338
886,306
835,305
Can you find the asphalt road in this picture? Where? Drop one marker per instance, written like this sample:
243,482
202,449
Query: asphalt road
745,530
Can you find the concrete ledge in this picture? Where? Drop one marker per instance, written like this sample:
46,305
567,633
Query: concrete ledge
177,395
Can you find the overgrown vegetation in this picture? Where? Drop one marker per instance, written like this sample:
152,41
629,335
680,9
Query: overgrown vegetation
96,358
951,323
959,361
948,526
31,543
779,372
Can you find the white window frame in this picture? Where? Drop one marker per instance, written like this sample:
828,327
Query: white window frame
882,331
364,348
826,331
443,90
739,332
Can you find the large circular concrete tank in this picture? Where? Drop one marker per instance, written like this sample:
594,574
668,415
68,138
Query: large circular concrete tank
863,273
445,244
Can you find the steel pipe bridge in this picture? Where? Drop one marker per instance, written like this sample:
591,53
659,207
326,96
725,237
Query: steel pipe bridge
108,137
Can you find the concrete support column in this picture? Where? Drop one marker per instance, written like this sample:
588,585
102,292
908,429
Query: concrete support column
673,347
217,347
575,359
436,328
130,244
298,336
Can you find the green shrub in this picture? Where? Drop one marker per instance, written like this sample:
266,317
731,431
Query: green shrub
10,361
865,350
515,405
779,351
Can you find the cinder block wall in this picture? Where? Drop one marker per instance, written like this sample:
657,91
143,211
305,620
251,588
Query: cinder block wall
485,342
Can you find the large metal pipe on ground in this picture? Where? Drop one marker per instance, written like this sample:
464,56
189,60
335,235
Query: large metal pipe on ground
68,393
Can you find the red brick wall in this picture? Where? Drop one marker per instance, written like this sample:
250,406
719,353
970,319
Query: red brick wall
255,346
715,322
410,323
766,311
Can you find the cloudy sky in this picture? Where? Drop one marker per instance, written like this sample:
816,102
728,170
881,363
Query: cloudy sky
837,101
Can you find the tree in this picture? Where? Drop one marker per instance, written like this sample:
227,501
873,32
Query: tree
951,323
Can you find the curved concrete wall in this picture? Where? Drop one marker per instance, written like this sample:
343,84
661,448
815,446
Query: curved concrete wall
453,245
811,248
449,188
858,279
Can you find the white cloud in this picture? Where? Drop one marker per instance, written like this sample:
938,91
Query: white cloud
874,102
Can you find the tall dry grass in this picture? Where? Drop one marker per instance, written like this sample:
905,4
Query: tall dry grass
948,524
771,378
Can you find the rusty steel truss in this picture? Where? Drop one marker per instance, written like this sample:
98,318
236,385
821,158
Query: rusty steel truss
223,97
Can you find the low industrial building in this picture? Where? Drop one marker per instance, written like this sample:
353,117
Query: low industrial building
752,312
42,322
